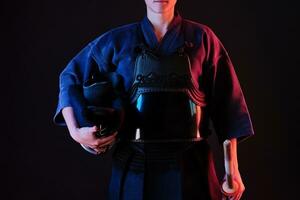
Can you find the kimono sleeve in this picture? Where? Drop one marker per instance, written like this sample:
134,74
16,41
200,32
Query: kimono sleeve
71,80
229,114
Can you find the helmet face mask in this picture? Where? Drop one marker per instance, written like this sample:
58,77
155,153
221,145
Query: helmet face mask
107,119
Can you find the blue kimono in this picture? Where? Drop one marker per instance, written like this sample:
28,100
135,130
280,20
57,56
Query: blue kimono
188,174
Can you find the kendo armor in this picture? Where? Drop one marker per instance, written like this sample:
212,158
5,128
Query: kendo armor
103,104
102,93
166,102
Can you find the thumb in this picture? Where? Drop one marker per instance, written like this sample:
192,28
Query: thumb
94,128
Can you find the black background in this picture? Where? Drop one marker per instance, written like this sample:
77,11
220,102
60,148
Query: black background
38,38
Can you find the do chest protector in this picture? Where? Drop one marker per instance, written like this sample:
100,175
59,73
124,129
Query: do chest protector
166,103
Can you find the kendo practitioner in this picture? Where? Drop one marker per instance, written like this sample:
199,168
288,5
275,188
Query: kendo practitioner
150,89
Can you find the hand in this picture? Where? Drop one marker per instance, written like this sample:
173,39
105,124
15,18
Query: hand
87,137
240,186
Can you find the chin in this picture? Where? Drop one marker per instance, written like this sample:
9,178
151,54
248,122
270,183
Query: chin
160,9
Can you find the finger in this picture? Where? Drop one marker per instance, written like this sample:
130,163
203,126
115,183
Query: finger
97,151
240,193
239,196
224,197
93,129
113,134
234,197
92,146
107,146
107,138
89,149
99,144
106,143
101,150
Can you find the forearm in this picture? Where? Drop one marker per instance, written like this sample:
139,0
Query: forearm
234,153
70,119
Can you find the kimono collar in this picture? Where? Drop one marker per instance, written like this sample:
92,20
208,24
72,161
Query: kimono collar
170,39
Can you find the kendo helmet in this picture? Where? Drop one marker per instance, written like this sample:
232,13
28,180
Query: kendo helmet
103,97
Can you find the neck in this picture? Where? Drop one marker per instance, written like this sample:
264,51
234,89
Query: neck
160,21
